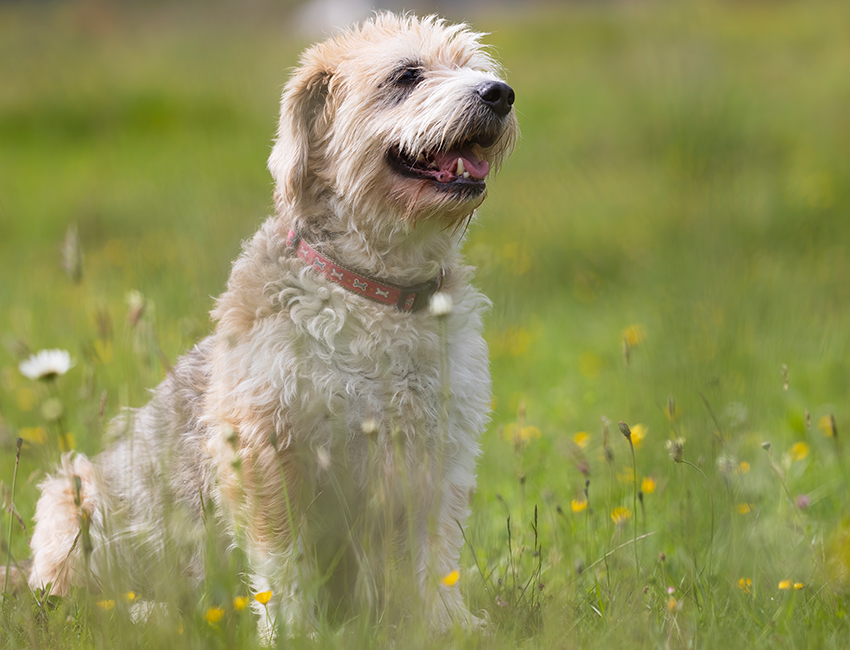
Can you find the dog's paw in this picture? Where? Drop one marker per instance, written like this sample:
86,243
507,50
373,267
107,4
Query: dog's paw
479,622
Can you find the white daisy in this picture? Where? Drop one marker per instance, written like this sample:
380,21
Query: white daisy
47,364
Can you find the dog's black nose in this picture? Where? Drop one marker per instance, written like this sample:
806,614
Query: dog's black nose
498,95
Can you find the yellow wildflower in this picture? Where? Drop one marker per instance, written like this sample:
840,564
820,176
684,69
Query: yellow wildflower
103,350
785,584
450,579
744,584
647,485
638,434
621,515
26,399
582,439
626,475
529,433
798,586
131,596
33,435
518,257
634,334
672,604
798,451
589,365
521,436
240,603
578,506
827,425
263,597
514,342
743,468
214,615
105,605
745,508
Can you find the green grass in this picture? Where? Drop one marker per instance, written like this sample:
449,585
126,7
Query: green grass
683,172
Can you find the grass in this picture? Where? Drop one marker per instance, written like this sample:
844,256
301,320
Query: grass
666,248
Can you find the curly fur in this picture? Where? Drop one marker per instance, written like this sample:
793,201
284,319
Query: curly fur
309,405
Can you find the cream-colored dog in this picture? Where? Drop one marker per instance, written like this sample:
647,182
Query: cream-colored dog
331,421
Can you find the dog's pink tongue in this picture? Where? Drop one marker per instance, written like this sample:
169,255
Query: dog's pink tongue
447,162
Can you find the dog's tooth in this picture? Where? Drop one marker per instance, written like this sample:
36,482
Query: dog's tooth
420,159
465,174
461,168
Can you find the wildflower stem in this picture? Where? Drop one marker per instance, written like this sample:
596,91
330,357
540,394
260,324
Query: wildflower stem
587,522
634,504
718,435
437,469
610,552
444,412
776,470
20,442
63,439
711,501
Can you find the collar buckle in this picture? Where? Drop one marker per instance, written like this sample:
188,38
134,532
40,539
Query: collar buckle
416,296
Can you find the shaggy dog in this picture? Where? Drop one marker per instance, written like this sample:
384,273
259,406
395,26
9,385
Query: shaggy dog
331,420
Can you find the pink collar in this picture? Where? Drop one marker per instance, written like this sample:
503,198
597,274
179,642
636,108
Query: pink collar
412,298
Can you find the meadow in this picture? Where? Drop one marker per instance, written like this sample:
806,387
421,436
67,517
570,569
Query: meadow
667,249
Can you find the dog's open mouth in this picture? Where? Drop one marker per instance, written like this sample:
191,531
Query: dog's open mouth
459,166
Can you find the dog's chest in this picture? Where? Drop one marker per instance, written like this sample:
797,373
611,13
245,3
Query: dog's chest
365,378
326,370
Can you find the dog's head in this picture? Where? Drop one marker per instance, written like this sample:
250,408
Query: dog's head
402,117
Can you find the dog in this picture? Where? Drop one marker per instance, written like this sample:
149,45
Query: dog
331,420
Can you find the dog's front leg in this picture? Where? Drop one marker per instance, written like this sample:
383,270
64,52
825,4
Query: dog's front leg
259,490
281,580
440,542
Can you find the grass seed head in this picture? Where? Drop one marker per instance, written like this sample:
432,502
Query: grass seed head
670,410
72,255
676,449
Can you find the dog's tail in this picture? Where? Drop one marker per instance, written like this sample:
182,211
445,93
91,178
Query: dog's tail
63,517
16,581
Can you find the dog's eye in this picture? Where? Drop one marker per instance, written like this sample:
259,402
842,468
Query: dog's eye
408,76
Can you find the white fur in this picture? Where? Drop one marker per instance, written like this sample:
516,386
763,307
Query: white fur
316,420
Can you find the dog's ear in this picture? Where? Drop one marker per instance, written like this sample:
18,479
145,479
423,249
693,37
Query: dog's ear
302,109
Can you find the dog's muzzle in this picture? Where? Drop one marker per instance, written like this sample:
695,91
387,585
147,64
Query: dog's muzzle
462,166
497,96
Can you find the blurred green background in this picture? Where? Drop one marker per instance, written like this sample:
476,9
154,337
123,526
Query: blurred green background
674,223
